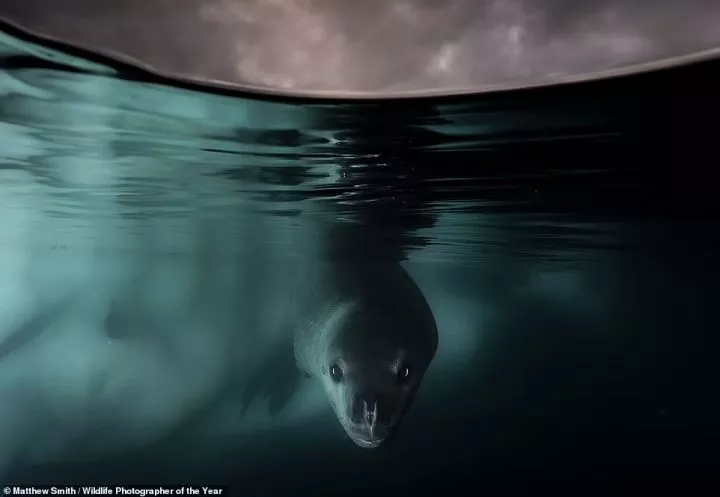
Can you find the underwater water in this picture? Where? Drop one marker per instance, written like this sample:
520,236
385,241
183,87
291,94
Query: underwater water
566,240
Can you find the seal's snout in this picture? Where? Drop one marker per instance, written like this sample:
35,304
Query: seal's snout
371,420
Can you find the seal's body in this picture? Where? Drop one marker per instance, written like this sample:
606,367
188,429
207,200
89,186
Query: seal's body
365,330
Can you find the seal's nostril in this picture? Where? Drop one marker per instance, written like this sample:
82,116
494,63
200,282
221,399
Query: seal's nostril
370,412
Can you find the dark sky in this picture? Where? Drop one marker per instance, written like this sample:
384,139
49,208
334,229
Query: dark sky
380,45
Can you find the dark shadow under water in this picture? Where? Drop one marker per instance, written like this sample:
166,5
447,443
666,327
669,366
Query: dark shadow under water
606,382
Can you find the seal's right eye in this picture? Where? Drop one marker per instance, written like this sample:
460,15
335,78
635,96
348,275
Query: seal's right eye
403,373
336,372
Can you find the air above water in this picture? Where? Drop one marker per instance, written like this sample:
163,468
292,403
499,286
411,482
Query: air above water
154,238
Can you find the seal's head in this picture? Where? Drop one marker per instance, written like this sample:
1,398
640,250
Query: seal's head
371,372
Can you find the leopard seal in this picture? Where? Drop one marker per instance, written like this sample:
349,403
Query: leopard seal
356,324
364,330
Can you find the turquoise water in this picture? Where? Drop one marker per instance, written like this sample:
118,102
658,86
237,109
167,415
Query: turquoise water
565,240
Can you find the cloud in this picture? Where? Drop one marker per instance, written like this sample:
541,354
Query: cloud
377,45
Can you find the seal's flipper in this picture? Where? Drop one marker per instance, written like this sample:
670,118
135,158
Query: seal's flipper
276,380
282,392
248,396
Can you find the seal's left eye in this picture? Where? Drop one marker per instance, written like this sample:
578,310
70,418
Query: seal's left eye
403,373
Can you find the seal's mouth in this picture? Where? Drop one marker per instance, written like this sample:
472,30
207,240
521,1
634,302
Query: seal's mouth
365,443
368,438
